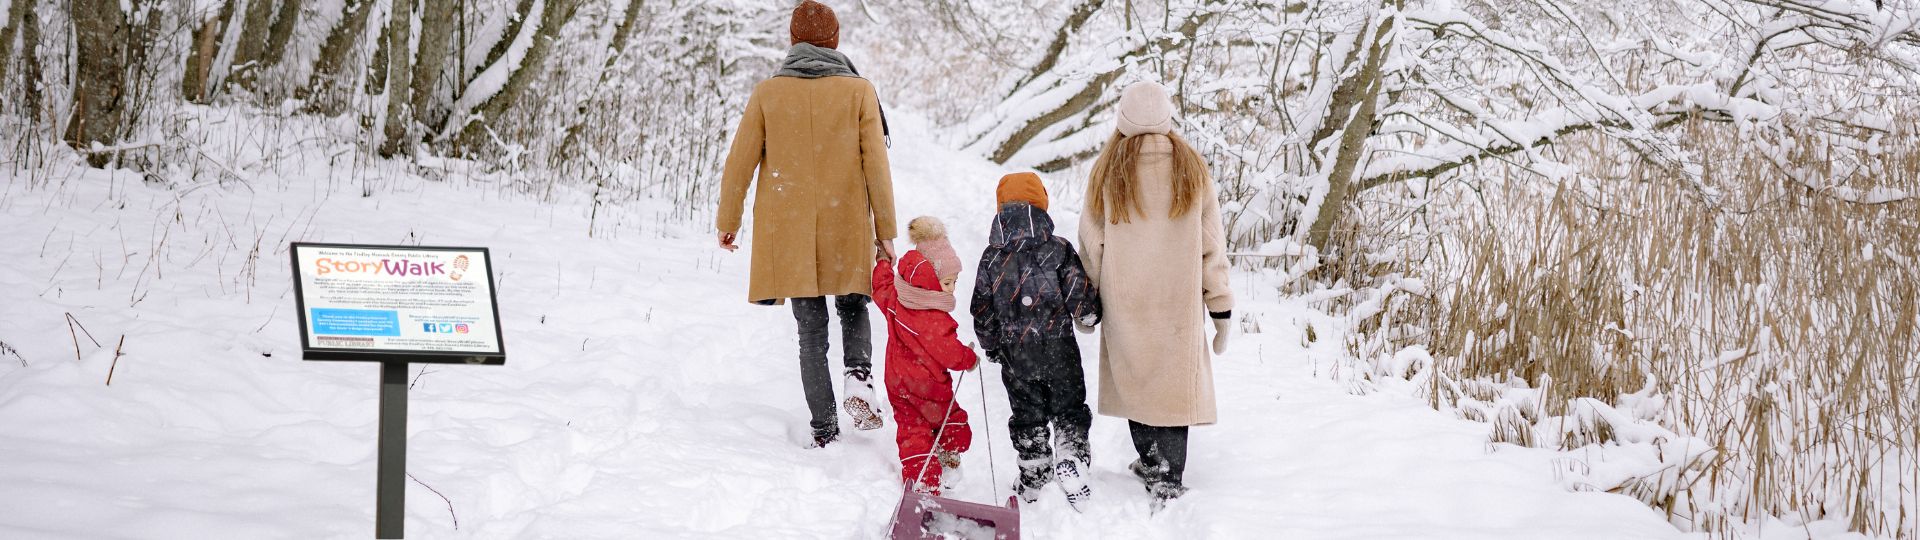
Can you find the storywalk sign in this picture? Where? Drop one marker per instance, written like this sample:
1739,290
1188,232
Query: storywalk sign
396,305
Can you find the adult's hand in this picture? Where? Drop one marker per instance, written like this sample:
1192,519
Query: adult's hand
883,249
727,239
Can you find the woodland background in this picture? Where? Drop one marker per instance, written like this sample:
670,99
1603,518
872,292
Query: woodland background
1685,227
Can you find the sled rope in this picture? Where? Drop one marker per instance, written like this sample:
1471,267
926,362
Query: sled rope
940,434
925,458
993,476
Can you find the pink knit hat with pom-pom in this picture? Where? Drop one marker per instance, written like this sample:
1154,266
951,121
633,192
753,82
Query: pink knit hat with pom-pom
929,236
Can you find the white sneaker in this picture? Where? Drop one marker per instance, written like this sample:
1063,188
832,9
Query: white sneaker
1071,475
861,403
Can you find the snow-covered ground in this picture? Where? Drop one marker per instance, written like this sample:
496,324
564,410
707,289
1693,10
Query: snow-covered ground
642,397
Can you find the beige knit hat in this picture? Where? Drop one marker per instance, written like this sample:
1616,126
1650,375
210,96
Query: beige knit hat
1144,108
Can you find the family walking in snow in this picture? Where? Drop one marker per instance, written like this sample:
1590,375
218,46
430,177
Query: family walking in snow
1150,273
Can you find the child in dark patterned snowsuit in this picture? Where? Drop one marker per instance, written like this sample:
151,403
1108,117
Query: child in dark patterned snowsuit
922,345
1030,293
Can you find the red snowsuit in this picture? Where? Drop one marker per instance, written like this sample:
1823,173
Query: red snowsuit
921,346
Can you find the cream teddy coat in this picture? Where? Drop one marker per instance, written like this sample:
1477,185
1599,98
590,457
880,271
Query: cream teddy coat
1158,278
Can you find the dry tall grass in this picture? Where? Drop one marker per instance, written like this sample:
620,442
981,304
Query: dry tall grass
1777,321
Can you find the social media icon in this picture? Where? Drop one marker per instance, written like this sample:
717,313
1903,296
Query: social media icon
461,328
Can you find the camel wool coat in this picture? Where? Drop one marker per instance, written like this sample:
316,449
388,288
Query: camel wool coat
824,191
1158,278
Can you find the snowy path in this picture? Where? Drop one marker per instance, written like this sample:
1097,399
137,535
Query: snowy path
642,398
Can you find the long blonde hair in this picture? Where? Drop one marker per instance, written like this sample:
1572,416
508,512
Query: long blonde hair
1113,181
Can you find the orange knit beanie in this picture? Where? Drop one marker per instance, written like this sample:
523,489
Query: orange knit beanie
1025,187
814,23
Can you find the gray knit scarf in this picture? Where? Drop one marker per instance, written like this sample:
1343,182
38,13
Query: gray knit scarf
809,61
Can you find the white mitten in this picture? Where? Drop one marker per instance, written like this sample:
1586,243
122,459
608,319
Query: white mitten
1085,324
1221,328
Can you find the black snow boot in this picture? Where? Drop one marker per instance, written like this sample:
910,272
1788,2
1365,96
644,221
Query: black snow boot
1034,474
1162,465
824,437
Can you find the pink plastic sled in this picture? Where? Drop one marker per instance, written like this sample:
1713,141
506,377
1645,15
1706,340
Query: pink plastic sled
917,508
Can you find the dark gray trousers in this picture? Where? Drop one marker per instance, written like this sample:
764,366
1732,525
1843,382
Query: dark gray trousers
1163,454
856,338
1047,390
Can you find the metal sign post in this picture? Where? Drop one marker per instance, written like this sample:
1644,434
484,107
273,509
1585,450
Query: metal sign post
390,493
396,305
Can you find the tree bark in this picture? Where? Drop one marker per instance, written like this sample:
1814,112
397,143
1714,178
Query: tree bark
1096,90
107,49
280,34
1075,21
430,61
324,91
1353,139
254,33
552,20
617,48
523,10
521,13
204,52
16,18
23,26
396,74
32,93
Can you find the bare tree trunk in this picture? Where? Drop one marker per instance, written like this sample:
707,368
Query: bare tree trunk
1094,93
32,93
278,36
1364,93
521,14
552,20
376,82
108,48
523,10
397,73
619,48
437,19
324,89
16,18
23,26
205,48
249,56
1075,21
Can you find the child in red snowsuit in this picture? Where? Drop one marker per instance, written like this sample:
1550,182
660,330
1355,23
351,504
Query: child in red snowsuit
922,345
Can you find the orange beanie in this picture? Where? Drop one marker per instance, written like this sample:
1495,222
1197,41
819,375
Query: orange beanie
814,23
1025,187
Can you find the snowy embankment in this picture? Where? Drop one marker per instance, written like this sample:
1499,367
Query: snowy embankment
642,398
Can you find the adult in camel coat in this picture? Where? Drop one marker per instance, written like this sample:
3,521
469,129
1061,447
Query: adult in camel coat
1152,241
823,205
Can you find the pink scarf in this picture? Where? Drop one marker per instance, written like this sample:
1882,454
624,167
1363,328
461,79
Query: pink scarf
918,298
946,264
